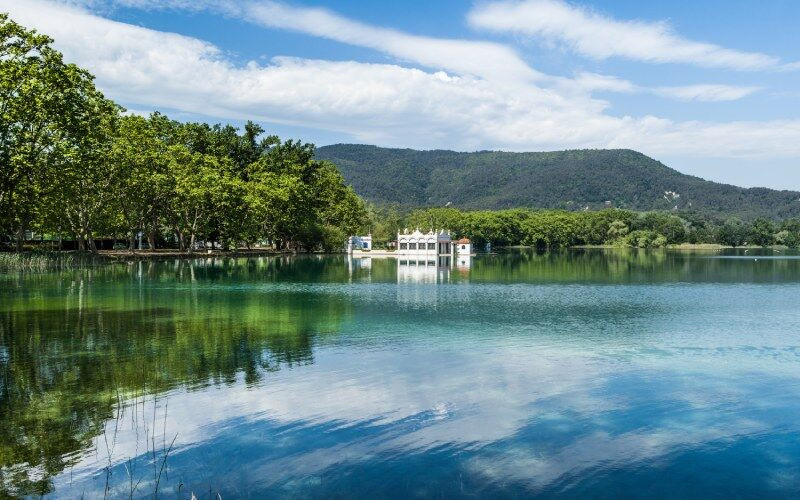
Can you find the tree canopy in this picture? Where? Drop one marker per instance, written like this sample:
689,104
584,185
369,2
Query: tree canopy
76,166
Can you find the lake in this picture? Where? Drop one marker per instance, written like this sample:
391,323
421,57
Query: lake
601,373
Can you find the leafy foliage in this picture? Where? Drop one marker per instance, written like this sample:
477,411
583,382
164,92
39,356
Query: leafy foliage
74,165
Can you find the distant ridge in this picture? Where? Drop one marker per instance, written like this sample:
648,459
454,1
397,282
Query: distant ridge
570,180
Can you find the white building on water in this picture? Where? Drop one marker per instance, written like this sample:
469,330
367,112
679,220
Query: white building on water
432,244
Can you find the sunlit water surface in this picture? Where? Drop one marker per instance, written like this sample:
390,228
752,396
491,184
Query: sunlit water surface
580,373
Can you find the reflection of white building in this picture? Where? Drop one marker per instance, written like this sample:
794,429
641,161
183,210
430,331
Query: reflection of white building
418,277
359,268
421,269
359,243
428,244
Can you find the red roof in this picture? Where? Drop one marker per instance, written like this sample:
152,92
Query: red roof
463,241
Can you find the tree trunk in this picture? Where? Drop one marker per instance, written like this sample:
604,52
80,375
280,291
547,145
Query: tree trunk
20,236
151,240
92,245
191,243
132,242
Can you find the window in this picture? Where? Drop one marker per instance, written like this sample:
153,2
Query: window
412,246
431,246
463,247
366,245
404,246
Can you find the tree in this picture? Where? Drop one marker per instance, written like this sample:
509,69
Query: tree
141,190
82,177
762,232
733,233
617,230
301,202
199,185
33,83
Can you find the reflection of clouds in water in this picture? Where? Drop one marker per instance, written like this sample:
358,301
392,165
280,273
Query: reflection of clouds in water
600,450
490,402
518,383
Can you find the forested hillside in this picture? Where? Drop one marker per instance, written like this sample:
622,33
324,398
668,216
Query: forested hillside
569,180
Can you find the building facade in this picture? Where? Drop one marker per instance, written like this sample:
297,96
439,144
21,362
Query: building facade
434,243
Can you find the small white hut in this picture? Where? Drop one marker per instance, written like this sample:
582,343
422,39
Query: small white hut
464,247
363,243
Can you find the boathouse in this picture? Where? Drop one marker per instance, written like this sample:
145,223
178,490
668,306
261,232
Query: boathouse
434,243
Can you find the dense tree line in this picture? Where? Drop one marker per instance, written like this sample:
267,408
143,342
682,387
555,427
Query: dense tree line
568,180
75,166
561,228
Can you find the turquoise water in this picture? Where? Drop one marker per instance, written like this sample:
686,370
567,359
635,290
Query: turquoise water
579,373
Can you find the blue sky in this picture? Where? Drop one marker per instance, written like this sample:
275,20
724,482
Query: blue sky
708,87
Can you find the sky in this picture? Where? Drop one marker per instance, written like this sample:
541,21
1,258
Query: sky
709,87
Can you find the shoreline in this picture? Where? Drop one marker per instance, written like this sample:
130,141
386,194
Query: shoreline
177,254
125,255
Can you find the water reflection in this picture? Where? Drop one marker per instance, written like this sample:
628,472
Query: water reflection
321,376
77,343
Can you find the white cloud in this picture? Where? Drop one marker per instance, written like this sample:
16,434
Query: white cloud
598,36
708,93
382,103
484,59
596,82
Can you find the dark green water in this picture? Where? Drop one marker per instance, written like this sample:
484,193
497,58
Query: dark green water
581,373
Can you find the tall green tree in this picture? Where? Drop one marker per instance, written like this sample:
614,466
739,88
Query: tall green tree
35,87
199,186
142,188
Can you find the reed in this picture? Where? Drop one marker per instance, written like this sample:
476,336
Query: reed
47,261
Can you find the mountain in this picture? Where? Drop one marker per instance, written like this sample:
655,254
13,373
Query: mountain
560,179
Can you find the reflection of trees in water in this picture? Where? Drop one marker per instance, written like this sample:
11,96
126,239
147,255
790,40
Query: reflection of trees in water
75,346
625,265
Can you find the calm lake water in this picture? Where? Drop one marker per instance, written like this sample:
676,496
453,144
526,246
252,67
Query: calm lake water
580,373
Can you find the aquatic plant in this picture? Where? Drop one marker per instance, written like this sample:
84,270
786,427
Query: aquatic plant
48,261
